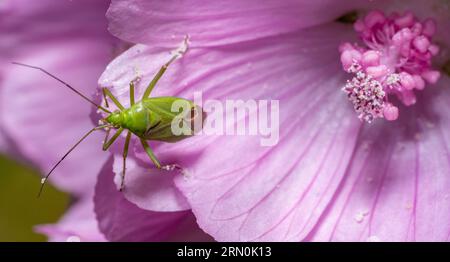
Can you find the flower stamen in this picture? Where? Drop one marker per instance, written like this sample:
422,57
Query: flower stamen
395,59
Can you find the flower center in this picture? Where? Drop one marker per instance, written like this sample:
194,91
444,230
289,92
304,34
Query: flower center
393,59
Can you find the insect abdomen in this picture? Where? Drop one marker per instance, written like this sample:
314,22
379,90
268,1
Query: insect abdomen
162,107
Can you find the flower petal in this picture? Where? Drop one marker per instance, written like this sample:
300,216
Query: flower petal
40,115
48,119
121,220
148,188
233,183
6,145
217,22
398,185
52,22
78,224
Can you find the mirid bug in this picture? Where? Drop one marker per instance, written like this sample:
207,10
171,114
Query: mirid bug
150,118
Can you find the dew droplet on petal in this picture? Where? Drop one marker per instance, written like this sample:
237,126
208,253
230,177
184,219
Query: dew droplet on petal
73,239
409,206
373,239
359,217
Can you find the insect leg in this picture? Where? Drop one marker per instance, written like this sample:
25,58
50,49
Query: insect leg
113,98
131,93
107,135
44,180
104,97
178,53
154,81
113,138
150,153
125,154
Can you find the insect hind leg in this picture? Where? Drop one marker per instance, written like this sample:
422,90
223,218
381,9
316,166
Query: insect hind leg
132,93
107,93
177,54
155,161
107,144
104,98
125,154
150,153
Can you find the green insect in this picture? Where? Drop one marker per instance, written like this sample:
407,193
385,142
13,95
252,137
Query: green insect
150,118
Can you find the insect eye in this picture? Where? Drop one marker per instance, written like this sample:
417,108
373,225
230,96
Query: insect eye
197,118
194,112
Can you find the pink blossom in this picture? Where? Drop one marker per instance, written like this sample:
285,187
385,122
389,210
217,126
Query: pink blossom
32,101
40,119
331,176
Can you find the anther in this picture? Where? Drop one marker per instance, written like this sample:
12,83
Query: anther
393,59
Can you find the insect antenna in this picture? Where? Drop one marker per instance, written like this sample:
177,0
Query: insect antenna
66,84
44,180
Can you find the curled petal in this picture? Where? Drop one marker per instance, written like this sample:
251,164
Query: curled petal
78,224
146,186
121,220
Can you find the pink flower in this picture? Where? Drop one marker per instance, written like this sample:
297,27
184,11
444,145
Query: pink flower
331,176
40,119
37,112
38,115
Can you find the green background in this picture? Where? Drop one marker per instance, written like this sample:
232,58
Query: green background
20,209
